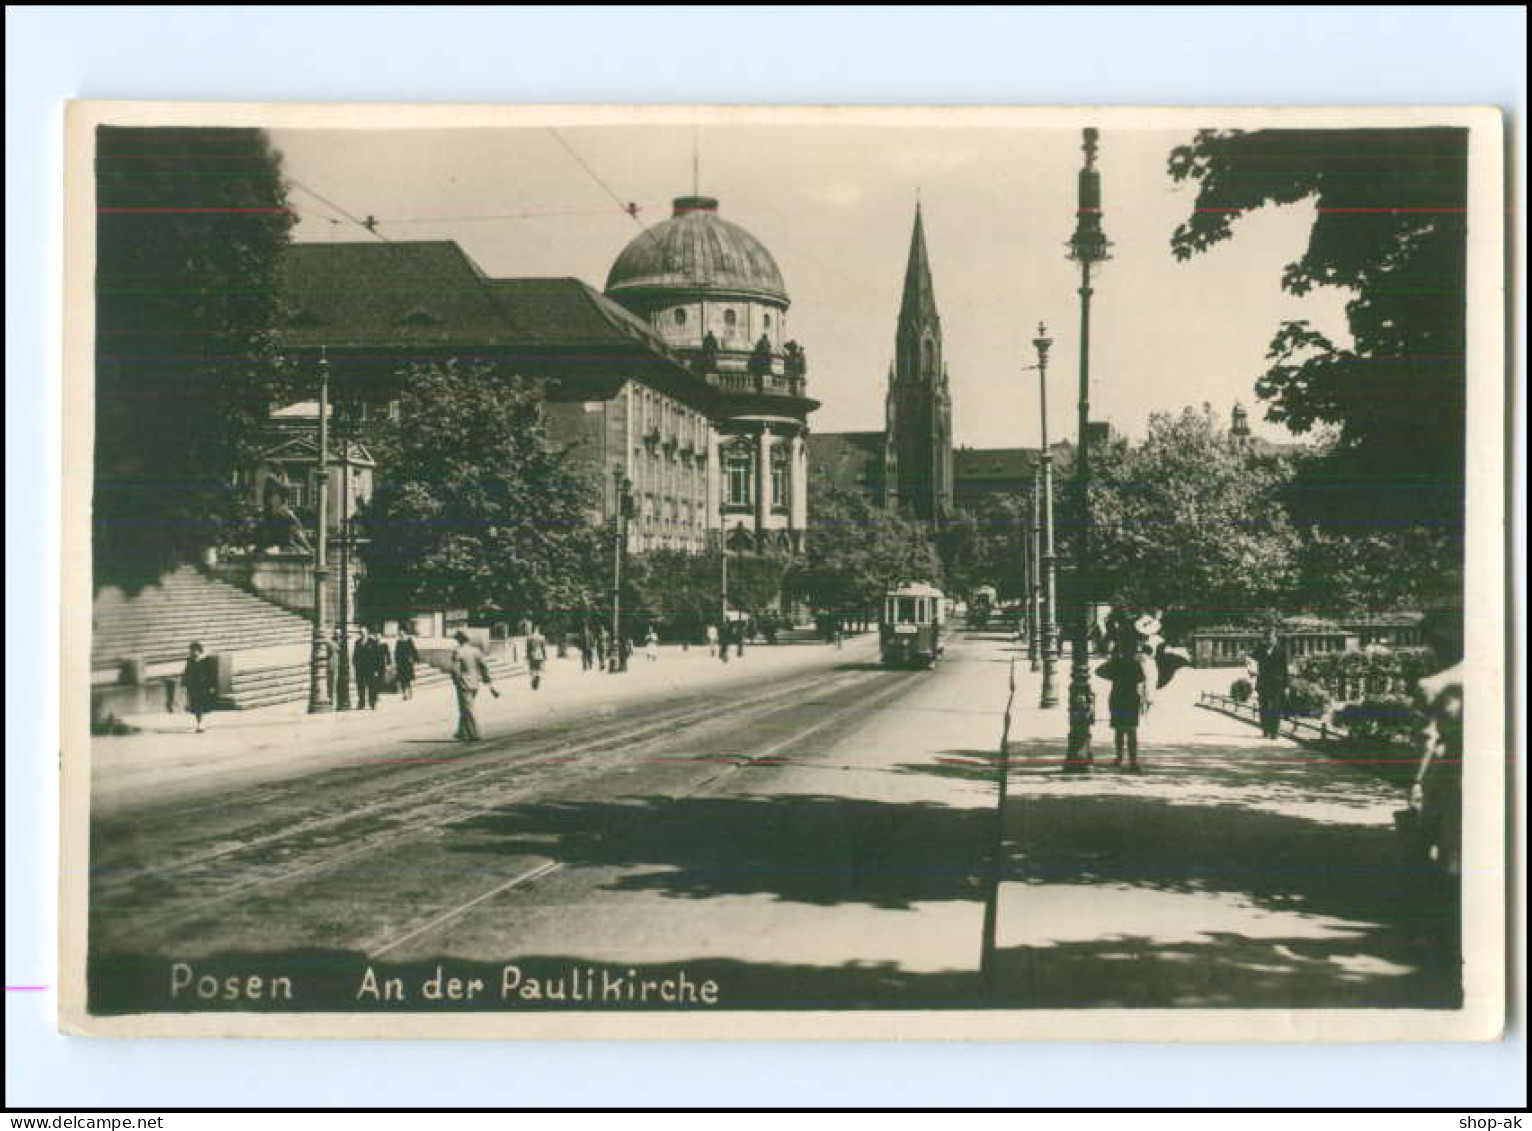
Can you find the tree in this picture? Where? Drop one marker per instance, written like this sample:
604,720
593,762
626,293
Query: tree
854,550
476,508
1189,519
988,545
190,229
1392,228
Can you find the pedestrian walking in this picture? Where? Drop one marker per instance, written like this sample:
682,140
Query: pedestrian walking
712,639
470,671
587,647
537,656
1124,703
406,656
601,645
652,645
199,681
370,661
1270,658
741,628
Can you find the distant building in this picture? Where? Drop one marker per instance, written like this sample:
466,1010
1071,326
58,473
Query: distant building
712,293
911,464
625,390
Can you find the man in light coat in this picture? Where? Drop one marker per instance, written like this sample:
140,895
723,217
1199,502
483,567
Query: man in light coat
470,671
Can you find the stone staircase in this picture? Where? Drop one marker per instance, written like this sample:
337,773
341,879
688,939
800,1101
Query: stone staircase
157,624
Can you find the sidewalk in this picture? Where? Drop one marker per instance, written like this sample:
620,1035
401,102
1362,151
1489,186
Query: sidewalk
167,757
1235,871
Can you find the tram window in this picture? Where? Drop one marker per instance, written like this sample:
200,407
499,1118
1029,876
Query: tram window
906,612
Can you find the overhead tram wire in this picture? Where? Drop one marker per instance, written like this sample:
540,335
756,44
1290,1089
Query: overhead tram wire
627,206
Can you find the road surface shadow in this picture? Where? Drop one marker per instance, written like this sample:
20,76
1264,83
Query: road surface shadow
805,848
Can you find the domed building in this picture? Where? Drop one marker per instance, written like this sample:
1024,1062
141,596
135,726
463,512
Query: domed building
715,296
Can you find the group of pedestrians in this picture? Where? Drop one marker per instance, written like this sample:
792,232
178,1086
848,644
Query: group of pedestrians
732,634
600,650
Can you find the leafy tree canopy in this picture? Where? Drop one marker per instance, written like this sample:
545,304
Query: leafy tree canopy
1390,227
190,230
475,507
1188,519
855,549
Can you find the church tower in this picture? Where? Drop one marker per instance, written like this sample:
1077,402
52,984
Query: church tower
918,462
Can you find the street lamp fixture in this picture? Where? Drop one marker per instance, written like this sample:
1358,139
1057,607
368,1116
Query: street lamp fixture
1087,247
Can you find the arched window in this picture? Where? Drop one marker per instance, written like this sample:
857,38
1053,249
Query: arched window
730,318
679,316
739,475
779,476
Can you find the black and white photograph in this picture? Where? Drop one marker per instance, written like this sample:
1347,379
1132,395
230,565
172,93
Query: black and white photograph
804,572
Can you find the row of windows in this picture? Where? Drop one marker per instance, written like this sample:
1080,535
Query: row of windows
730,318
739,476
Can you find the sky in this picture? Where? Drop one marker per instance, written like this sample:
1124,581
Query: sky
835,205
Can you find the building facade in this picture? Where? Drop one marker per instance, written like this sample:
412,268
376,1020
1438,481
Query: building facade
712,293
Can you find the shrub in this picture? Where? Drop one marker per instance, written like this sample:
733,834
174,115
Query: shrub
1350,676
1241,690
1382,719
1306,700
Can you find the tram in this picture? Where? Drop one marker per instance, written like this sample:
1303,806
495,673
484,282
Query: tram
910,630
981,606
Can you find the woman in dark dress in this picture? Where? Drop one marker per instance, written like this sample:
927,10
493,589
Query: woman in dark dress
1125,702
199,682
406,655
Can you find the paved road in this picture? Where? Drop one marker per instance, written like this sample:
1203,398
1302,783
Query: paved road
820,836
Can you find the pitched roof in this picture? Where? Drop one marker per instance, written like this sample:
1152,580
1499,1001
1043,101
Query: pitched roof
851,461
418,293
429,296
977,464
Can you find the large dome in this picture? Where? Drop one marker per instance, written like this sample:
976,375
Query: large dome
696,251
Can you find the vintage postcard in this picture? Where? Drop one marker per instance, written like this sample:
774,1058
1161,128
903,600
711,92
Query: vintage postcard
784,572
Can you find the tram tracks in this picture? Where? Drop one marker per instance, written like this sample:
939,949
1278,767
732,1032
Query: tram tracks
420,813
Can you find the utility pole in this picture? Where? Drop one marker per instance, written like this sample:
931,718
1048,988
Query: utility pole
723,570
1034,575
343,663
623,488
1087,246
319,651
1046,559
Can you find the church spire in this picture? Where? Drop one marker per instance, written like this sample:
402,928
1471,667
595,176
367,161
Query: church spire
919,303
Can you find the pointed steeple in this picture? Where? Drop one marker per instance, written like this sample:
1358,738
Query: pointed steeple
919,303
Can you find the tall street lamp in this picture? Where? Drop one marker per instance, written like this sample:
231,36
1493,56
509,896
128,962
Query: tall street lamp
343,661
1049,612
1034,573
319,650
723,576
1088,246
623,487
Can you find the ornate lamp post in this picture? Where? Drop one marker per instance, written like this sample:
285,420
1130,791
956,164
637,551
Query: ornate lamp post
723,571
319,652
343,661
623,487
1034,574
1049,612
1088,246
